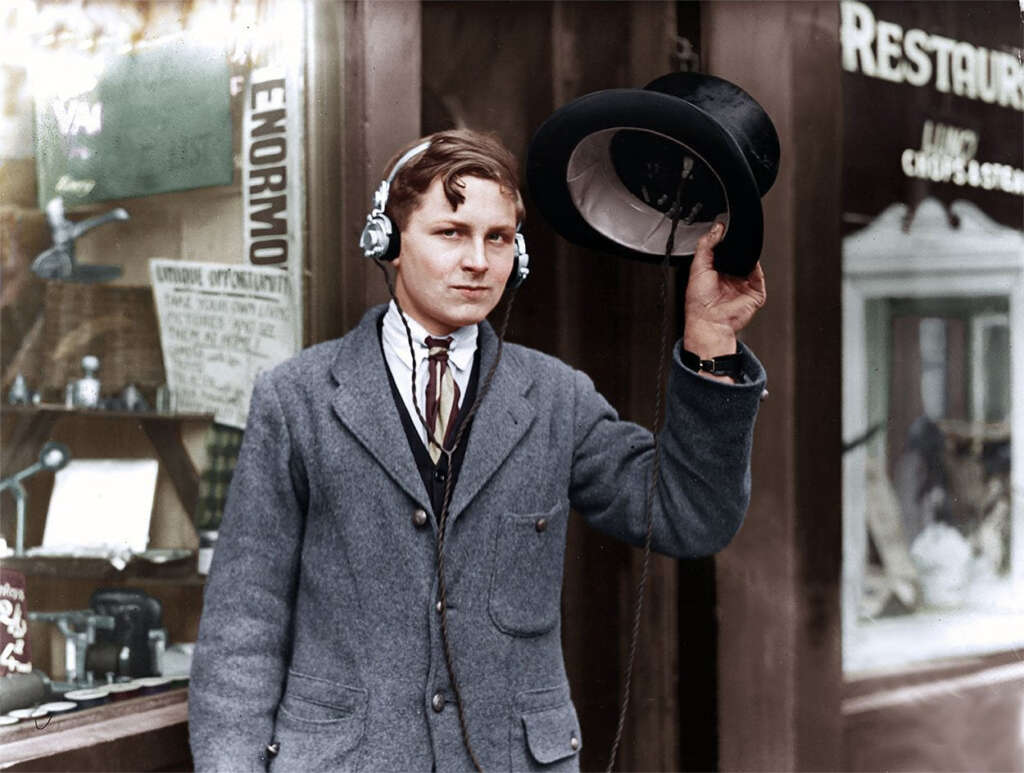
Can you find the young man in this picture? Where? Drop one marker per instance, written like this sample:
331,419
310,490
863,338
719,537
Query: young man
320,644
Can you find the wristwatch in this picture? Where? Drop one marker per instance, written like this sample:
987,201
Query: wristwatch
723,365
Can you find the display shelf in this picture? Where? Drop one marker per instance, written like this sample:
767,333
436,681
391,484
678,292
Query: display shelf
146,733
61,410
180,572
34,425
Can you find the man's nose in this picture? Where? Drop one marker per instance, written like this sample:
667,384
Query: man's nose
475,256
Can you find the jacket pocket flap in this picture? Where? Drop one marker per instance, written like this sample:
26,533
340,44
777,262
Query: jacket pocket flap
553,734
320,700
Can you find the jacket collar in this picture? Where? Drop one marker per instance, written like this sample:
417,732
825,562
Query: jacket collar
362,403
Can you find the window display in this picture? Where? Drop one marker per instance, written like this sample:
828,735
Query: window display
102,570
933,305
932,564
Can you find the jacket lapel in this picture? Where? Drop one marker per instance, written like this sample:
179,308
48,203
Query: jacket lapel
502,418
363,403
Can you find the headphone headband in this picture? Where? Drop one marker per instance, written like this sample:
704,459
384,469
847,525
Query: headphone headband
405,159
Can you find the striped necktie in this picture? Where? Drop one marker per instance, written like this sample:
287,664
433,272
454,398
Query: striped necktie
442,396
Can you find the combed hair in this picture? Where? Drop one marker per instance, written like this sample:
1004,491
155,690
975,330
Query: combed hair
452,155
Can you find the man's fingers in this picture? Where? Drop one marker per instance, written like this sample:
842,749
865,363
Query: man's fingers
756,277
703,255
757,284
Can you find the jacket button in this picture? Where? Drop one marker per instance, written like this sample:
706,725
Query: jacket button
542,524
437,702
439,606
419,518
574,742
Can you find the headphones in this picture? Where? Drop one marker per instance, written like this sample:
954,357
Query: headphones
380,239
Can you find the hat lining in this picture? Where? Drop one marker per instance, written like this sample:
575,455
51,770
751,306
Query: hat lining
612,210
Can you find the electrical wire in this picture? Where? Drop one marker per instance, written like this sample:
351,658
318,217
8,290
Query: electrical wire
676,216
446,502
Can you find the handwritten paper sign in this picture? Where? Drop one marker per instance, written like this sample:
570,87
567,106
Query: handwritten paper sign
220,326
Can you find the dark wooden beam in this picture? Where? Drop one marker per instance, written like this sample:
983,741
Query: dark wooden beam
780,669
166,439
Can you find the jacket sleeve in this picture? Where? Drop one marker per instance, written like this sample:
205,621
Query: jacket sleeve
705,442
241,654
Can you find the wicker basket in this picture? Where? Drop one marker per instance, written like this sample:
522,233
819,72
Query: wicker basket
117,324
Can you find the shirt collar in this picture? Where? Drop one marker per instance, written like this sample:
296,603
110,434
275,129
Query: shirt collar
460,352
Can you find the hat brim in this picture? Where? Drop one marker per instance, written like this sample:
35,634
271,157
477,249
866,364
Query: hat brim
559,136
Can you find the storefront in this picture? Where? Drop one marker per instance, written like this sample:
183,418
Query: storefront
868,616
242,142
869,612
933,309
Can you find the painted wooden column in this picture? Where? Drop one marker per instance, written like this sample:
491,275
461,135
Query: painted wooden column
780,670
325,30
364,83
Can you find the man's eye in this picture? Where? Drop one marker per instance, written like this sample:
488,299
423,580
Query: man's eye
498,237
449,232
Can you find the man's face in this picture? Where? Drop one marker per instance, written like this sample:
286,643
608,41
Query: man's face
453,264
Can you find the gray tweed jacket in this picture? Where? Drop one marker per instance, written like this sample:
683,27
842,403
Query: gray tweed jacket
319,630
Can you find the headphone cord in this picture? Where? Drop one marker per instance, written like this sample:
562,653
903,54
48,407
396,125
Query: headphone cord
443,520
652,485
675,214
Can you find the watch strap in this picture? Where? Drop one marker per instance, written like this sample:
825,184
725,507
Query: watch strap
722,365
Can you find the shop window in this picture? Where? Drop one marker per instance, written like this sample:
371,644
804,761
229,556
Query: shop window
933,517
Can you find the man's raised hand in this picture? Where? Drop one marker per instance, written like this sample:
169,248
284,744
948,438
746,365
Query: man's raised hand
718,306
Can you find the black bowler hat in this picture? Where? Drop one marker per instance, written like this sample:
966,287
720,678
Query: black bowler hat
608,169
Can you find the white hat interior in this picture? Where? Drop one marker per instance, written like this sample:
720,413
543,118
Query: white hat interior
612,210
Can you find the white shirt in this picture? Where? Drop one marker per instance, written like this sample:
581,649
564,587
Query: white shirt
396,355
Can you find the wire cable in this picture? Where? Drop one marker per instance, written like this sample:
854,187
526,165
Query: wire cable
446,502
676,215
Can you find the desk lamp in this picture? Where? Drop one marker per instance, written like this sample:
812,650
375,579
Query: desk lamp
53,456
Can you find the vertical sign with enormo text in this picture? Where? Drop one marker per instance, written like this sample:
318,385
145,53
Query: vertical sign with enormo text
272,190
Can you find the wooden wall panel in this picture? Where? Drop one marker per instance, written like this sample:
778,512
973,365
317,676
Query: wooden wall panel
778,583
377,91
514,63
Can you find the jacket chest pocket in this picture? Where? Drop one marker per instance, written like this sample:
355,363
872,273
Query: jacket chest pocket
526,585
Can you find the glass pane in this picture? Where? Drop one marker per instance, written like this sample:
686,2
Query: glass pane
935,579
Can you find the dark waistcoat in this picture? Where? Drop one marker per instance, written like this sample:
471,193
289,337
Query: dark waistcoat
434,476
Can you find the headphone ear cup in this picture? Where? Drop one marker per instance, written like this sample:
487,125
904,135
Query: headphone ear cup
394,243
520,262
380,239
